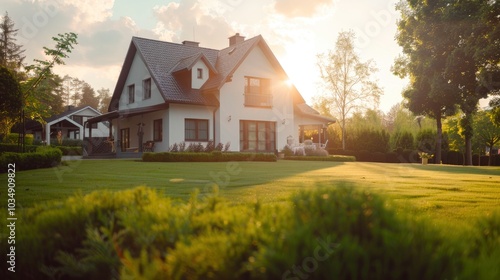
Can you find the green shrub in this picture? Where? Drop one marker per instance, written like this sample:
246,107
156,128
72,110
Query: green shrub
44,157
215,156
14,148
13,138
336,232
70,150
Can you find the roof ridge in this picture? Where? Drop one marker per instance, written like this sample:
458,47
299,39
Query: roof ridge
173,43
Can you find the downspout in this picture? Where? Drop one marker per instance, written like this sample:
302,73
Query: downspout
213,124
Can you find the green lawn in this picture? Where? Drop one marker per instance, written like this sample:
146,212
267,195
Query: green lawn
454,194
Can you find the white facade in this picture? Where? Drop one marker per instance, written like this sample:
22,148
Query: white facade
136,77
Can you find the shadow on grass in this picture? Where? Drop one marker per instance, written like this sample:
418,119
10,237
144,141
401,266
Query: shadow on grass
460,169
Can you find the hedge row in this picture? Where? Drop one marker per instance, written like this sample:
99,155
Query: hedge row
44,157
70,151
331,232
334,158
411,156
14,148
216,156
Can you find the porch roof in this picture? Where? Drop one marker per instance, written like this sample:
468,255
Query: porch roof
127,113
308,111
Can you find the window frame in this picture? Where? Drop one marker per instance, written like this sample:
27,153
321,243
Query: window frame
146,88
197,130
199,73
131,93
269,139
158,130
258,98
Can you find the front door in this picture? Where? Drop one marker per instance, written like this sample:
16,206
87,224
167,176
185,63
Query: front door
124,139
258,136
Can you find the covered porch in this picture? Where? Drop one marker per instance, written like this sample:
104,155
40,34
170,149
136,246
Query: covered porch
126,137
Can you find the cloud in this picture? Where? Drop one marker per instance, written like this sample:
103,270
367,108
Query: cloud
187,20
300,8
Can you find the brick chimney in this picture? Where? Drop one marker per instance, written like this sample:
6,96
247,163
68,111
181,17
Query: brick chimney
235,39
191,43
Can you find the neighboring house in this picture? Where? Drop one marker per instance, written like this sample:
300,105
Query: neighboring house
70,123
172,93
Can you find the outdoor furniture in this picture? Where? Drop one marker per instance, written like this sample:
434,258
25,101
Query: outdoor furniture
323,146
149,146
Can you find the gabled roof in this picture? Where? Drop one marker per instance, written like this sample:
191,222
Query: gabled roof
189,62
164,59
70,112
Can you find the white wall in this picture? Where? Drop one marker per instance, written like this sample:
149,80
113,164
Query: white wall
232,102
147,119
180,112
138,73
195,82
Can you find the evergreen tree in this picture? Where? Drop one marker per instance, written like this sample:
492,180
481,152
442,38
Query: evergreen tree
11,54
88,97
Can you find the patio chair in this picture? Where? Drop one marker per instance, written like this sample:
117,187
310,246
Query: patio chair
149,146
323,146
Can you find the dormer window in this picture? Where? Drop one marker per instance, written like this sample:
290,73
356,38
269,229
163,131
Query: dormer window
199,73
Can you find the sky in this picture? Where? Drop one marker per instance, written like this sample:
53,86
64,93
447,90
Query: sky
296,31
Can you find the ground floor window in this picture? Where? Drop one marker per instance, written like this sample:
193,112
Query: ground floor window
196,130
124,139
257,136
158,130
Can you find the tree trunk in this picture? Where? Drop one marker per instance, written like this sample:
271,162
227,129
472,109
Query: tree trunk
343,134
439,139
468,150
489,155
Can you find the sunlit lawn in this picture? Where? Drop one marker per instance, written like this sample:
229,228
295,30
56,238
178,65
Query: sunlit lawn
453,194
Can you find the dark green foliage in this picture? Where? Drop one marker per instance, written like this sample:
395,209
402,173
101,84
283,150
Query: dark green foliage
216,156
13,138
14,148
44,157
287,151
335,232
370,140
70,150
403,139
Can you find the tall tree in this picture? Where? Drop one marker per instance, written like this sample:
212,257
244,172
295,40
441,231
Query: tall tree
426,46
488,134
41,70
88,97
76,87
11,54
10,96
104,99
348,80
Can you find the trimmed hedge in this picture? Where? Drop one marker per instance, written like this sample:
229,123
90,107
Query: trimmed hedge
215,156
335,158
14,148
70,151
331,232
44,157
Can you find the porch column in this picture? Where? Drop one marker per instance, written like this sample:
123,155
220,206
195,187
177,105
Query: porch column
90,139
320,130
47,134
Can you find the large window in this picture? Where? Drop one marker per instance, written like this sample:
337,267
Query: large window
196,130
158,130
258,92
258,136
146,86
131,94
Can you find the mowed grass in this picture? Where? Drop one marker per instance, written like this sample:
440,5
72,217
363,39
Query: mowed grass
449,194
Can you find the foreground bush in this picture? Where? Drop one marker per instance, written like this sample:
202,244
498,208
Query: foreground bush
15,148
44,157
215,156
327,233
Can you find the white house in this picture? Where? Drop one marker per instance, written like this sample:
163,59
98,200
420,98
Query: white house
172,93
69,125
